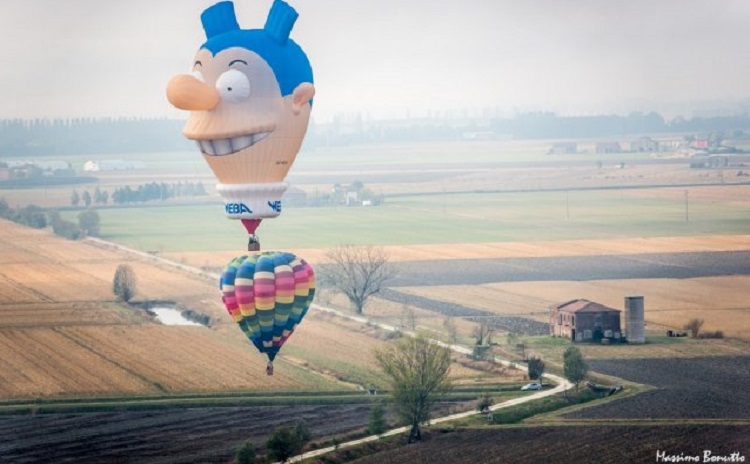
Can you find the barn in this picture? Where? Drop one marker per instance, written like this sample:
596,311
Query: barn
584,321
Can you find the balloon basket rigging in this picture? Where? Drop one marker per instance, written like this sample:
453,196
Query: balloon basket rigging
253,243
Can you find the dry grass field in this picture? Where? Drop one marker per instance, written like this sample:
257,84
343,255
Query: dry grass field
669,303
538,249
61,333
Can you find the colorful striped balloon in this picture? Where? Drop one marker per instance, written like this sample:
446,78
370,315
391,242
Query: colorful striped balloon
267,294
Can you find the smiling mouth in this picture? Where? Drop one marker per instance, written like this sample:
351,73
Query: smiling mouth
221,147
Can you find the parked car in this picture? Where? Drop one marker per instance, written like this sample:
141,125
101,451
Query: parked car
531,386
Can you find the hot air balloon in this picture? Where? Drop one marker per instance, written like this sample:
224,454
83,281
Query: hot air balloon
267,294
250,95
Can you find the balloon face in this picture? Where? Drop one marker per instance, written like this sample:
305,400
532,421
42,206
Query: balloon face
250,94
267,295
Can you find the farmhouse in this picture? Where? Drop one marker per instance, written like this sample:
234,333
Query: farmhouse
564,148
607,147
644,144
584,320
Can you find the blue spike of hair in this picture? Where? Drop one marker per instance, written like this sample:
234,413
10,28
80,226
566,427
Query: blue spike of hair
272,43
218,19
280,21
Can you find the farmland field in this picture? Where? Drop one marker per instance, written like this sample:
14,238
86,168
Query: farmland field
435,219
601,443
58,317
498,228
686,389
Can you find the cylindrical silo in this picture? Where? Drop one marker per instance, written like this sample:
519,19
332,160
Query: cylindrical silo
635,319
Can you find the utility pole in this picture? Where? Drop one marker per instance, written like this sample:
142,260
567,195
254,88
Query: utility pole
687,207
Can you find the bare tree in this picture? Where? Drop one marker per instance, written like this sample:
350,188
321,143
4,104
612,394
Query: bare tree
408,318
358,272
483,332
694,326
417,369
450,326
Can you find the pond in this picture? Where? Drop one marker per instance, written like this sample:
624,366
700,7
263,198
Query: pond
171,316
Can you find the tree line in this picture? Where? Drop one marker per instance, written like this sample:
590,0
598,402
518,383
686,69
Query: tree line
39,218
144,192
35,137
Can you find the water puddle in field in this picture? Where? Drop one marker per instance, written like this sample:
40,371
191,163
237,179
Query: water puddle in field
171,316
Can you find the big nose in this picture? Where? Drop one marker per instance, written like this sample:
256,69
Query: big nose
188,93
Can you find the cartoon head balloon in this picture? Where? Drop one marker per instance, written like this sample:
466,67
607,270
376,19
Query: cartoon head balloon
250,95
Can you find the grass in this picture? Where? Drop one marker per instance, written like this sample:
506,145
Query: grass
518,413
135,403
441,218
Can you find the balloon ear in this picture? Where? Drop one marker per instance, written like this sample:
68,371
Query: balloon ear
301,96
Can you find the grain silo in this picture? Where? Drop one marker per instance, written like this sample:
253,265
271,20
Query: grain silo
634,319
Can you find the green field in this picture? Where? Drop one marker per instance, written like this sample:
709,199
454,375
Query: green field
440,218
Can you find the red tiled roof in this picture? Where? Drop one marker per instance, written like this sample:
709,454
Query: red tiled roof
578,306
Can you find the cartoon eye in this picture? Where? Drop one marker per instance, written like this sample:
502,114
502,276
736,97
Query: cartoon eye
198,75
233,86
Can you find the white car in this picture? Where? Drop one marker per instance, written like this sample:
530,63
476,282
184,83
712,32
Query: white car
531,386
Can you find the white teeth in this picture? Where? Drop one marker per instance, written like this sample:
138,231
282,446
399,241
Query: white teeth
220,147
207,147
260,136
238,143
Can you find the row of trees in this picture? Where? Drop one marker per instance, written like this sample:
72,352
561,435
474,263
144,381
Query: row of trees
37,217
88,225
24,137
19,137
144,192
30,215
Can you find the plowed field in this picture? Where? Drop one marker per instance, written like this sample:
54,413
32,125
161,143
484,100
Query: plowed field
603,443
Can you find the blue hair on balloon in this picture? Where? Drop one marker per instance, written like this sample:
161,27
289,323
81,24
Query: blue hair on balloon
272,43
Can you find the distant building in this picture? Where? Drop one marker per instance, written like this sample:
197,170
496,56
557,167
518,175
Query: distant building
584,321
607,147
294,196
112,165
564,148
700,144
644,144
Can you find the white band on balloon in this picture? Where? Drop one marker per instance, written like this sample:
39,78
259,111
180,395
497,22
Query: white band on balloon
252,201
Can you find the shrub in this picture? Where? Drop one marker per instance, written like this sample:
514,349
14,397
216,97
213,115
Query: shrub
66,229
536,368
484,402
245,455
124,282
286,442
377,419
694,326
88,221
716,334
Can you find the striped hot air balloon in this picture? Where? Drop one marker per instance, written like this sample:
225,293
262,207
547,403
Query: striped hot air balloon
267,294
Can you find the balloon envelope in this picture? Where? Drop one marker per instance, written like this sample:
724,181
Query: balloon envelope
250,95
267,294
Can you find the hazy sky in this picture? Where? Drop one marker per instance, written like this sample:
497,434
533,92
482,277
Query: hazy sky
114,57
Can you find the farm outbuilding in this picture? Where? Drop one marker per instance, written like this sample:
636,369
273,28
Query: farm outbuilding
584,320
564,148
607,147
